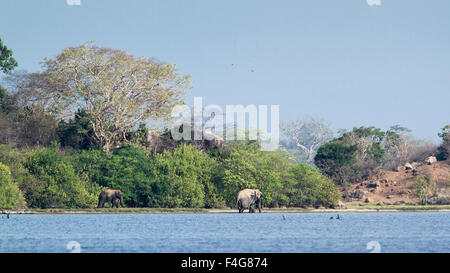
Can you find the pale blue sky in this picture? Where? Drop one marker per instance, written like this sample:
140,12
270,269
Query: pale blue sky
343,60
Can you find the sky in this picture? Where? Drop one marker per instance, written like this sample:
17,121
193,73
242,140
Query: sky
345,61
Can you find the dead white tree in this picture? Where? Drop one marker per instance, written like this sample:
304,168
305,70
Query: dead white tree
308,134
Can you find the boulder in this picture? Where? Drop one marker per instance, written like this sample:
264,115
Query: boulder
358,194
374,184
367,200
380,203
408,166
430,160
399,202
439,200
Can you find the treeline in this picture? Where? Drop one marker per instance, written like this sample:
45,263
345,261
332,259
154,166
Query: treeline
52,177
78,127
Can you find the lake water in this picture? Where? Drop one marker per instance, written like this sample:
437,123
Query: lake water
228,232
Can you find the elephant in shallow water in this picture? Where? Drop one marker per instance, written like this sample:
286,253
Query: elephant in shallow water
110,196
247,199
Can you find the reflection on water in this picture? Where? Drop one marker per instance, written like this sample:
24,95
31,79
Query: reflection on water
266,232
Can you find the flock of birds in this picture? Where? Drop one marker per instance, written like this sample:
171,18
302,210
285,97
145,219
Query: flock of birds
331,218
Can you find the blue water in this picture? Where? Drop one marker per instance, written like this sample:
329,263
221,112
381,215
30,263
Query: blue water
266,232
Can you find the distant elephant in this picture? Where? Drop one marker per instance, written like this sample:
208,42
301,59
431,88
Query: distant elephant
247,199
110,196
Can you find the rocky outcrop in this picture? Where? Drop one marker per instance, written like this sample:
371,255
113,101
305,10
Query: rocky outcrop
439,200
430,160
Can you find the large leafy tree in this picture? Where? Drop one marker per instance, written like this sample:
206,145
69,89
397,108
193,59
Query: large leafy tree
355,155
116,90
7,62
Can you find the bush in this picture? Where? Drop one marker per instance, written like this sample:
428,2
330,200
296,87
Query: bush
128,169
248,167
443,152
337,160
10,195
312,188
56,183
186,178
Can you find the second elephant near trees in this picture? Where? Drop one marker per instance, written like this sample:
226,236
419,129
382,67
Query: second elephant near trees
247,199
110,196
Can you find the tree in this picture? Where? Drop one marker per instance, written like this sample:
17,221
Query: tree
10,195
337,160
443,152
77,132
185,177
116,90
247,166
423,187
57,183
355,155
307,135
7,62
310,187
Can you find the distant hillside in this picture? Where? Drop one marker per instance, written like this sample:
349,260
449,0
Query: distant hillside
390,187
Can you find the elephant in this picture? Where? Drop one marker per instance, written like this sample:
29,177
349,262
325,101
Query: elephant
247,198
110,196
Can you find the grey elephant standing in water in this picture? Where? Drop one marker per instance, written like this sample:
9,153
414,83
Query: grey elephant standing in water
247,198
110,196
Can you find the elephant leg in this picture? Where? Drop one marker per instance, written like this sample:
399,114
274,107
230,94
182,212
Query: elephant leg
252,208
259,205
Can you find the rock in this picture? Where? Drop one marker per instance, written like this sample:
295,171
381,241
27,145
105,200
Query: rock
374,184
380,203
388,197
439,200
358,194
408,166
399,202
430,160
415,164
367,200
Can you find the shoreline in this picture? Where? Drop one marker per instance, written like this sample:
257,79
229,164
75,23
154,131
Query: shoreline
439,208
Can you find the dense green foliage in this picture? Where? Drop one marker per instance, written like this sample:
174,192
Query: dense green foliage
443,152
356,154
183,177
57,183
7,62
423,188
10,195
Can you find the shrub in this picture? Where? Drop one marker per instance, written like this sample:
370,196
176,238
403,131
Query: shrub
56,183
310,187
128,169
10,195
185,177
248,167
